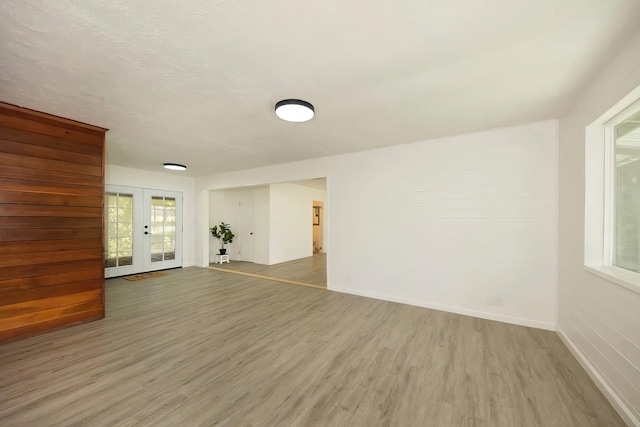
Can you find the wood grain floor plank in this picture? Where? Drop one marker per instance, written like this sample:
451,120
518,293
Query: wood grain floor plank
306,271
200,347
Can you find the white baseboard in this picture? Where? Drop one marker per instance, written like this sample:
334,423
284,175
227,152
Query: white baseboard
602,385
549,326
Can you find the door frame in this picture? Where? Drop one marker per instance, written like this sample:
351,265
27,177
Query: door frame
140,241
147,264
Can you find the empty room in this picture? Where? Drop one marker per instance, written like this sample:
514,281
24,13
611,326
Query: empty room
330,214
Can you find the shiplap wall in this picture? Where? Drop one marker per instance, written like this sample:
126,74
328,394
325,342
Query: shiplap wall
598,319
465,224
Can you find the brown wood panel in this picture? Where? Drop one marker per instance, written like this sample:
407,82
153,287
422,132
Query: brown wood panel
48,188
35,305
52,119
57,211
40,313
24,149
49,199
17,135
37,163
37,246
51,130
17,271
54,256
22,234
51,325
50,291
50,177
49,222
34,282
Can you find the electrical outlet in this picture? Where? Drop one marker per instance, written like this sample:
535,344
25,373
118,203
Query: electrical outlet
494,300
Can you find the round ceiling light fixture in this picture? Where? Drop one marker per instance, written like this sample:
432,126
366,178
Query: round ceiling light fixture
175,166
294,110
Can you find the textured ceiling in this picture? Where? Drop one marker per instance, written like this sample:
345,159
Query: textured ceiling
195,81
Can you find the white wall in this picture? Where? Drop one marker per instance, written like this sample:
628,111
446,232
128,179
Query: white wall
465,224
118,175
262,225
223,206
597,318
291,228
282,220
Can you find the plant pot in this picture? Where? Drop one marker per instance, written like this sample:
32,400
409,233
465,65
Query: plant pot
223,251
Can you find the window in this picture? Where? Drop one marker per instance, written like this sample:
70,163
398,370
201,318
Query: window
612,194
626,194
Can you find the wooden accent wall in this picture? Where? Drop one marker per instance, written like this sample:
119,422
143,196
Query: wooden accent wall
51,215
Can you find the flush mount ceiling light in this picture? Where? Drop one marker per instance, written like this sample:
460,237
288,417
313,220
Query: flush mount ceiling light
175,166
294,110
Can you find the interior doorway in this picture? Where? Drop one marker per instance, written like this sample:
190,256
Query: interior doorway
274,235
317,223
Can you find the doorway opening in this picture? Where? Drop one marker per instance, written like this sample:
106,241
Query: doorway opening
317,223
274,235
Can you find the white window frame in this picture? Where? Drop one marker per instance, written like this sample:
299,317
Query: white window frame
599,195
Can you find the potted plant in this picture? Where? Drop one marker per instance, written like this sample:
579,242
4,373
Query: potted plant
224,234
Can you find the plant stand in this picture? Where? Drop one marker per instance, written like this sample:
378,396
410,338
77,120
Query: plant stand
222,258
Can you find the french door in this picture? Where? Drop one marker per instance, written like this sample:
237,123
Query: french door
143,230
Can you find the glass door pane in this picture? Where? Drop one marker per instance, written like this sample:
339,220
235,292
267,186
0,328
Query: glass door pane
122,218
119,230
163,229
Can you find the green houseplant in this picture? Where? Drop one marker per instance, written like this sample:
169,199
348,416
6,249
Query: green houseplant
224,234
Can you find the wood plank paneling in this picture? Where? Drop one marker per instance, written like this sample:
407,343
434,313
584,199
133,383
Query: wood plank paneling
42,282
48,176
43,314
22,234
57,211
49,199
52,325
50,130
62,144
46,118
48,188
49,268
37,246
51,222
50,291
47,257
25,149
40,304
38,163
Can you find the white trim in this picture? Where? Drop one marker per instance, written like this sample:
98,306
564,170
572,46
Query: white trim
550,326
599,178
600,382
625,278
594,195
609,191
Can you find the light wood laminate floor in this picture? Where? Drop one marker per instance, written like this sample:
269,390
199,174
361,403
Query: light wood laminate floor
200,348
311,270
